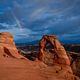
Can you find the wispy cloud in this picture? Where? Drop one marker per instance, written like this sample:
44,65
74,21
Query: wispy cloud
37,13
7,25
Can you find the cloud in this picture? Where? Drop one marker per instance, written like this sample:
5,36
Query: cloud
38,17
7,26
37,14
74,17
1,13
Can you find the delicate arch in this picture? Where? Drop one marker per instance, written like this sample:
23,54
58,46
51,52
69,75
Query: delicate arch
62,57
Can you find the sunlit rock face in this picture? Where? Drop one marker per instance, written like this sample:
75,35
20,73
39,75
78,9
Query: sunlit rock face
55,57
58,51
7,46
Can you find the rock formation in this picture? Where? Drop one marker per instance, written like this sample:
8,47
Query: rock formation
18,69
59,51
61,61
7,46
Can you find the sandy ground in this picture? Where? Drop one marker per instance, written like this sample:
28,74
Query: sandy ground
20,69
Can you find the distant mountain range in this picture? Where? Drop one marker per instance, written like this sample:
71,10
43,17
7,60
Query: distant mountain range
36,42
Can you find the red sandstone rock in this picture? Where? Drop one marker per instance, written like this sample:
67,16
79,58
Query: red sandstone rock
61,66
18,69
61,55
7,46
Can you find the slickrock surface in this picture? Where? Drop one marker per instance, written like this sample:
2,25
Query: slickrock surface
19,69
7,46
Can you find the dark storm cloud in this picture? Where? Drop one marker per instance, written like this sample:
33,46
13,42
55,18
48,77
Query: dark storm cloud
31,19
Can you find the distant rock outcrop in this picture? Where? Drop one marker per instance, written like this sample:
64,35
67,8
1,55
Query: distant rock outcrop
57,49
7,46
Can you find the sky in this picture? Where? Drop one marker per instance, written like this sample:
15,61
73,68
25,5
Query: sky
29,20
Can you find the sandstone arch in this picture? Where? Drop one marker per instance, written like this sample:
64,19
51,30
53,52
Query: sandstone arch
61,55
